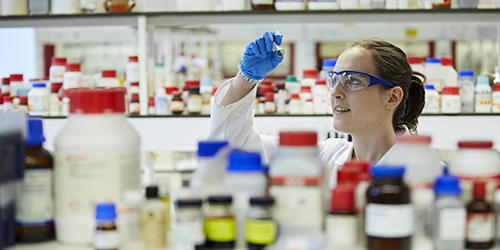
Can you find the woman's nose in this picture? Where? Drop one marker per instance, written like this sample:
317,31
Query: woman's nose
337,92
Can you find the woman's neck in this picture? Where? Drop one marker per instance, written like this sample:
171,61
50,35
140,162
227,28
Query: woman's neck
372,147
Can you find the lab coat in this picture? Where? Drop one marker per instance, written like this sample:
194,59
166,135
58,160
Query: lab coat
234,123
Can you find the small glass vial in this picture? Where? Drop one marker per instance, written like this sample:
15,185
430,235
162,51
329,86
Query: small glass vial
177,105
189,231
451,103
106,236
220,225
270,106
260,228
194,101
262,4
480,220
134,106
390,215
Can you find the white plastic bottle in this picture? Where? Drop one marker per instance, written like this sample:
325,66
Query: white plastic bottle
65,7
161,102
495,99
38,100
432,100
434,73
321,97
309,77
72,78
54,102
482,95
451,103
287,5
132,69
328,65
349,4
292,85
244,179
323,5
14,7
57,69
96,134
16,82
295,106
108,79
416,63
449,73
466,85
295,178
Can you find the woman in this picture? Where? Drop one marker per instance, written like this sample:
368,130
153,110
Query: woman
374,95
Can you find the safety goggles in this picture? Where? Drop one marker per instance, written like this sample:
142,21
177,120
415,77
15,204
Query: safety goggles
354,80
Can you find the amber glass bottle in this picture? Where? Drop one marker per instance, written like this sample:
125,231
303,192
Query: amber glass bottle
262,4
390,218
34,206
480,220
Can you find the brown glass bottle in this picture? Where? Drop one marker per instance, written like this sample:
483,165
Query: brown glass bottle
389,214
177,104
262,4
480,220
34,207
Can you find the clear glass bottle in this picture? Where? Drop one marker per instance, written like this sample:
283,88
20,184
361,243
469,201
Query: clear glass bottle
106,236
260,228
189,231
220,225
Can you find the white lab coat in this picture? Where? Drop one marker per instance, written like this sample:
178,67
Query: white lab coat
234,123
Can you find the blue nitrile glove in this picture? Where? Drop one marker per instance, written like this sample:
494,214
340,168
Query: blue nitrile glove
259,58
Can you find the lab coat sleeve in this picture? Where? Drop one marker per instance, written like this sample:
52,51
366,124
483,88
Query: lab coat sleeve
235,124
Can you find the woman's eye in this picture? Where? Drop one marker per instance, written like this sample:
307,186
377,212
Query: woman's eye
353,81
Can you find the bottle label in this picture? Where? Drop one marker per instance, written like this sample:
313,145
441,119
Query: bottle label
467,183
389,221
495,108
432,102
342,230
194,104
5,89
260,232
298,201
177,106
134,108
152,229
188,234
220,229
34,204
270,107
480,227
106,239
451,104
38,104
452,224
483,102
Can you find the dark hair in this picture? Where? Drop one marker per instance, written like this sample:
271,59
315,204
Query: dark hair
391,64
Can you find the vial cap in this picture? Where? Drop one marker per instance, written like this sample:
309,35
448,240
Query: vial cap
170,90
310,73
210,148
73,67
206,81
220,200
483,80
414,139
305,89
430,87
347,175
7,99
496,87
262,201
134,84
298,138
5,80
151,102
134,97
387,171
475,144
108,73
189,203
192,83
447,185
415,59
479,189
432,60
467,72
133,59
269,97
295,97
241,162
34,133
23,100
447,61
39,85
59,60
342,199
263,89
451,90
105,211
152,192
267,81
291,79
329,62
320,82
96,101
16,78
362,167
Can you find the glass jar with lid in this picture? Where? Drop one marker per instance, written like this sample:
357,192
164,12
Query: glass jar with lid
220,225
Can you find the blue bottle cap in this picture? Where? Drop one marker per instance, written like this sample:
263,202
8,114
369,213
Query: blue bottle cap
240,161
432,60
34,133
466,72
206,81
387,171
427,86
329,62
105,211
209,148
447,185
39,85
483,80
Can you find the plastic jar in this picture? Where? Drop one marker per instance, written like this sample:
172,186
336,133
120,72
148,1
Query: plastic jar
287,5
432,100
328,65
39,7
416,63
16,83
466,85
188,230
233,5
434,73
295,106
108,79
389,213
96,134
495,99
132,69
296,175
309,77
262,4
451,103
14,7
206,179
486,164
57,69
321,96
323,5
38,100
482,95
449,73
292,85
220,225
349,4
65,7
72,78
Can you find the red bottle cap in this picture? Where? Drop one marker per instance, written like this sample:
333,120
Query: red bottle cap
267,81
361,167
134,98
320,82
479,189
133,59
73,67
294,97
342,200
108,73
305,89
310,73
96,101
415,59
54,87
134,84
298,138
16,78
23,100
451,91
5,81
269,97
496,87
170,90
7,99
193,83
263,89
59,61
262,99
447,61
151,102
475,144
413,139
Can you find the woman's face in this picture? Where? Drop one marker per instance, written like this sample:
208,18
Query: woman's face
359,111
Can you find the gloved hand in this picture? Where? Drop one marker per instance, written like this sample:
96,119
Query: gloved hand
259,58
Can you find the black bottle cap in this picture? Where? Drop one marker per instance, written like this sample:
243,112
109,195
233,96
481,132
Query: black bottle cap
220,200
189,202
262,201
152,192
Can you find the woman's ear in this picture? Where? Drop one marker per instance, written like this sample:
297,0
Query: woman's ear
395,97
